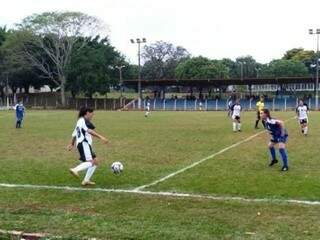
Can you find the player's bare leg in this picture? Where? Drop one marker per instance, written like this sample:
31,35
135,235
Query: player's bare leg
234,125
302,128
305,129
238,126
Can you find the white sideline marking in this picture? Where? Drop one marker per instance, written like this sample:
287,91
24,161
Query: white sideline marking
164,194
198,162
201,161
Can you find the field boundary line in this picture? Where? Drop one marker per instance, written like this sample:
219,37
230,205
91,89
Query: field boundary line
202,160
198,162
163,194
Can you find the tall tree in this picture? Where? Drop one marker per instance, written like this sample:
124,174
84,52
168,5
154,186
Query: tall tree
308,57
55,35
161,59
21,73
3,34
249,65
232,66
298,54
284,68
92,68
202,68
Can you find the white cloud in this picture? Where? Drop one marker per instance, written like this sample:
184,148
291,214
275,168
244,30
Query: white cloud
264,29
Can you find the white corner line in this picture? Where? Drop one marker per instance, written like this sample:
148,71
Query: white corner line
164,194
201,161
198,162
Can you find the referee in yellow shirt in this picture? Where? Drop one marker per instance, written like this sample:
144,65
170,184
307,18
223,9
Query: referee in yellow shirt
260,107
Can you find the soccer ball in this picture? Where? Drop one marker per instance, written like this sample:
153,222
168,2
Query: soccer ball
117,167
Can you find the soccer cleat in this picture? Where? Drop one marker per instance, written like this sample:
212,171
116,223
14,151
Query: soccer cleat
273,162
285,169
239,130
88,183
74,173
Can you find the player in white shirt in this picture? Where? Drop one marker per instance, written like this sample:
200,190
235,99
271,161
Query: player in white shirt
82,139
147,109
200,105
236,112
302,115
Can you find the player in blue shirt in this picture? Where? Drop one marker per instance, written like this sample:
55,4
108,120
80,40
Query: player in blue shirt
19,114
279,135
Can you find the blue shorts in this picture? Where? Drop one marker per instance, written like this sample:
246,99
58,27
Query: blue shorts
279,139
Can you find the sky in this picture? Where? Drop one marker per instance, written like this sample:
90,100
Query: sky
216,29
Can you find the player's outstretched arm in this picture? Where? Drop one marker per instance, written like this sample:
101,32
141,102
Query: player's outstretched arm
95,134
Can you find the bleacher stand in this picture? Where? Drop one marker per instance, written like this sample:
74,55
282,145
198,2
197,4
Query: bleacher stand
275,104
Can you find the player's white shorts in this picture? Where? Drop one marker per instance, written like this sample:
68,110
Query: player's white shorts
85,151
148,109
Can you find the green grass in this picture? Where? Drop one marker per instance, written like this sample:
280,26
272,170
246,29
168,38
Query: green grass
150,149
242,171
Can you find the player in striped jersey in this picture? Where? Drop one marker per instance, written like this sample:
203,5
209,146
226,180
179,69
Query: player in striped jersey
302,115
82,138
279,135
236,112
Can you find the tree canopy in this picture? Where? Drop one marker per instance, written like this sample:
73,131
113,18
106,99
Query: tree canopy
161,59
285,68
201,68
65,51
91,69
55,34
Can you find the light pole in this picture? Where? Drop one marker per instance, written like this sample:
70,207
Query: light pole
120,77
241,69
257,72
139,41
317,33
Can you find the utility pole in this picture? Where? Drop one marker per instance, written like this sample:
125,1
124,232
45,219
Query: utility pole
317,33
120,78
139,41
241,70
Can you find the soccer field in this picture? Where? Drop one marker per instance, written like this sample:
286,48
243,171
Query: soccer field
230,194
